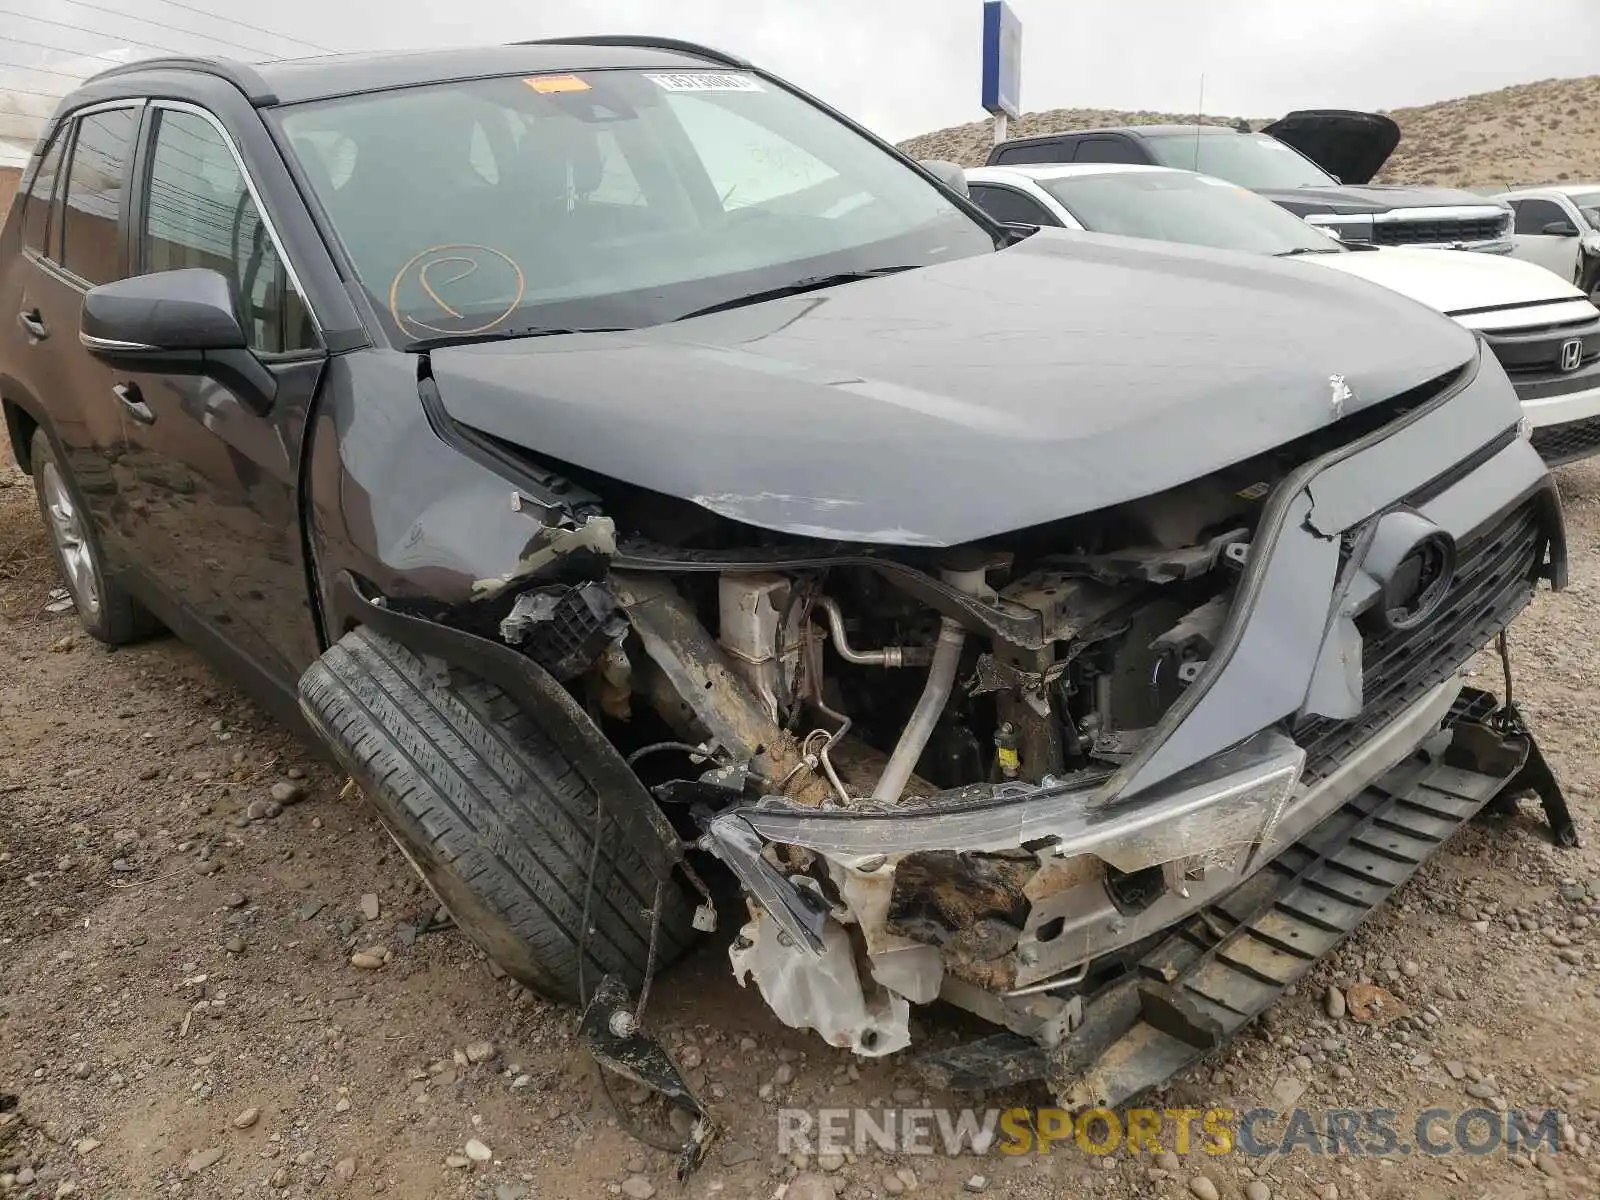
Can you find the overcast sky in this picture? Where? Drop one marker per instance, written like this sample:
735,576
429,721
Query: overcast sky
910,66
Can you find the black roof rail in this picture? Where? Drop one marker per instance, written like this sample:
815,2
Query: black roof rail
643,41
241,75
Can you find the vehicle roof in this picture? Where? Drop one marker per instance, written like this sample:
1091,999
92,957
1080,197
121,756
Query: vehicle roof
295,80
1564,189
1136,130
1042,171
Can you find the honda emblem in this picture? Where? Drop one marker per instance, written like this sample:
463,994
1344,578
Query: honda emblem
1572,354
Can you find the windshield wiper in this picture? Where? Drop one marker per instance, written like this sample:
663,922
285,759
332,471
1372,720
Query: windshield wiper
1299,250
812,283
502,335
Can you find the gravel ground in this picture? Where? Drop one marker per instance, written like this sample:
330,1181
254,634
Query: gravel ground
182,891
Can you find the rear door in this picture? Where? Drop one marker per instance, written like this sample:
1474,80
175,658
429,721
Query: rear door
1557,251
213,473
74,226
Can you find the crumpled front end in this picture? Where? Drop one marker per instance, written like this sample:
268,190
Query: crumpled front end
1053,777
1260,687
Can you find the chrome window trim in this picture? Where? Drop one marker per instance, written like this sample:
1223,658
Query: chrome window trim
255,196
137,103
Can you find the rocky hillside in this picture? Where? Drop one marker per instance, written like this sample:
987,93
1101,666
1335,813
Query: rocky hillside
1532,133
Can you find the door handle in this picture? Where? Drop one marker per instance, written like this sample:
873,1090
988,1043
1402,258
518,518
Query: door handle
32,320
133,400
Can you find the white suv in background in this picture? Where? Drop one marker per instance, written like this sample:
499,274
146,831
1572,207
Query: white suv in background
1559,228
1545,332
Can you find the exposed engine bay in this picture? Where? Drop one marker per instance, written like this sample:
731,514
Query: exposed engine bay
1074,779
855,680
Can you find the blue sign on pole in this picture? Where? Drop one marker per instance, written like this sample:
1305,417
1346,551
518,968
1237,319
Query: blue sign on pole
1002,59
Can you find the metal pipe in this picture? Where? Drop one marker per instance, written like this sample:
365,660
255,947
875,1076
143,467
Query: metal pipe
935,695
1073,977
889,656
838,736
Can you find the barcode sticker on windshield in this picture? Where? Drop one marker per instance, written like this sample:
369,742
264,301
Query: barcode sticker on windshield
705,81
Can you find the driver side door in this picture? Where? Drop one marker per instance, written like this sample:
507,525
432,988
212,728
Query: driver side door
1556,251
212,467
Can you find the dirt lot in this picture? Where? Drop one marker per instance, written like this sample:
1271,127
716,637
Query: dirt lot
179,1012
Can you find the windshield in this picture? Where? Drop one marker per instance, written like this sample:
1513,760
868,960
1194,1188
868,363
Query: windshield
1252,160
610,199
1589,204
1176,206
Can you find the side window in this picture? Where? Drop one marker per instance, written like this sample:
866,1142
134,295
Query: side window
1004,204
1035,152
37,201
96,181
1534,215
1110,150
199,213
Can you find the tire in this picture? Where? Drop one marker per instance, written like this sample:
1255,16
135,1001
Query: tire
107,610
491,815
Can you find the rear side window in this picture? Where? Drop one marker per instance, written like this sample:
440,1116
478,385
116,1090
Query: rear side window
96,186
200,213
1012,207
1110,150
1034,152
36,203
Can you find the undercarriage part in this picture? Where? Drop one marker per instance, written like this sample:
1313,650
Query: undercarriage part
821,992
564,629
1219,969
612,1035
702,676
889,656
935,695
751,609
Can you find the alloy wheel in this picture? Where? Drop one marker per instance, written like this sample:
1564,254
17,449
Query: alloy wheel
67,527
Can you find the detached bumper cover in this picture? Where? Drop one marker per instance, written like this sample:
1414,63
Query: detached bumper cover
1224,966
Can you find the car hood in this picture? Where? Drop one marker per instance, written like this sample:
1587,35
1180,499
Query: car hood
1374,199
1350,145
1452,282
945,405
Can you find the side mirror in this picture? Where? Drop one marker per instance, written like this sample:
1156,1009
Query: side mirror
1560,229
175,323
948,173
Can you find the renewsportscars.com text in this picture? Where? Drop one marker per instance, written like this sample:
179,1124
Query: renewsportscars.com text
1357,1132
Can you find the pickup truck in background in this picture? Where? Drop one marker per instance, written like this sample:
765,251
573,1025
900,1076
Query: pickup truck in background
1559,228
1318,164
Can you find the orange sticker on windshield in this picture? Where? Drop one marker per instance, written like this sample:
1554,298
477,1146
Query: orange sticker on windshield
551,84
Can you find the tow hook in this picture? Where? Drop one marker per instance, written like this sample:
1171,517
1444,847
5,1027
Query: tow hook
612,1034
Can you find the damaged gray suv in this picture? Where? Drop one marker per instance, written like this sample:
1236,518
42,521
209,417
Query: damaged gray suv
673,506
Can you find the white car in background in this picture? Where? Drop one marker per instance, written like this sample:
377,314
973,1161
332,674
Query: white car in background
1545,331
1559,228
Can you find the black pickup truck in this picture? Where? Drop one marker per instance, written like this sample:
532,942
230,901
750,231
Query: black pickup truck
1318,164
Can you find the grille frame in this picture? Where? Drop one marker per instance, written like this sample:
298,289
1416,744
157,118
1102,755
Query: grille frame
1498,568
1536,351
1437,231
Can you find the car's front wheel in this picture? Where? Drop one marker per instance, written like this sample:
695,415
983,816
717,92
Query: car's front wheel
107,609
492,814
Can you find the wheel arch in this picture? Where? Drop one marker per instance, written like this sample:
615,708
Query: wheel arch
22,417
541,696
